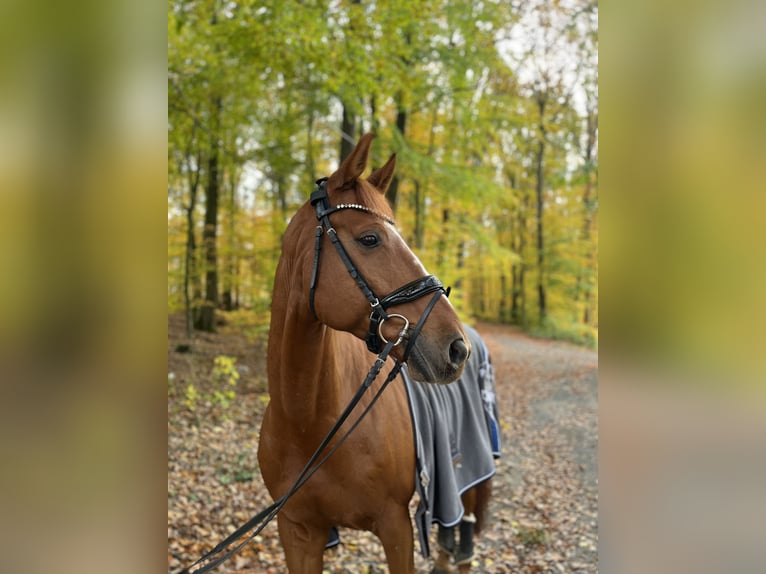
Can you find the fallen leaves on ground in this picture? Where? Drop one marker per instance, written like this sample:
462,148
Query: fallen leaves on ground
544,511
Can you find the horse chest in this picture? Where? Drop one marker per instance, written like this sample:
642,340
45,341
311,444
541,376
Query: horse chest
376,460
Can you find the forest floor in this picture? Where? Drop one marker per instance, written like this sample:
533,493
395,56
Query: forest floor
544,510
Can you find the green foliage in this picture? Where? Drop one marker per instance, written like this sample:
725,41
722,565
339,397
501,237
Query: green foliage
191,397
552,328
467,160
225,373
238,472
253,323
224,377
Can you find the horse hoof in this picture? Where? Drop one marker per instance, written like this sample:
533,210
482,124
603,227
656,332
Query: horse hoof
463,564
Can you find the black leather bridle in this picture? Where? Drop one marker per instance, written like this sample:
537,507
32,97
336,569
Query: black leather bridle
405,294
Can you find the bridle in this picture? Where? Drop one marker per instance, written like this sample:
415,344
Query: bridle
404,294
376,343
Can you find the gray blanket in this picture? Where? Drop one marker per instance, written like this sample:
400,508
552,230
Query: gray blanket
457,437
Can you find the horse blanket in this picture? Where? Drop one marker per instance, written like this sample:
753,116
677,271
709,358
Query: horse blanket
457,438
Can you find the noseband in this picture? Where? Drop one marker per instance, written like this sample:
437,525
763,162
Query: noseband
405,294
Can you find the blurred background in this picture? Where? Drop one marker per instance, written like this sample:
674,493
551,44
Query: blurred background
682,421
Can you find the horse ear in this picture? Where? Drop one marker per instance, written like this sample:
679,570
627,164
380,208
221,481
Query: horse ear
381,178
353,166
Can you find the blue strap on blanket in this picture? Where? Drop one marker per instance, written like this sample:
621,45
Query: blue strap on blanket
488,397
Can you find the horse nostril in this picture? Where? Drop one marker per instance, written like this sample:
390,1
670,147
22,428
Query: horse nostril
458,352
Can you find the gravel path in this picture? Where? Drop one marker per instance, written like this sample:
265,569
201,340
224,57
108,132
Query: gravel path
546,493
545,503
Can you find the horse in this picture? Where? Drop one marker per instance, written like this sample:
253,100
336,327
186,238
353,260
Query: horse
325,320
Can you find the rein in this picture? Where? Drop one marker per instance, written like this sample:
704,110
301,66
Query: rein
375,339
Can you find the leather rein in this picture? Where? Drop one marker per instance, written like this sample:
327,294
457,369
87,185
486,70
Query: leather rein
376,343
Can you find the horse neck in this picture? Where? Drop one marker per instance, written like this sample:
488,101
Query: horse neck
302,362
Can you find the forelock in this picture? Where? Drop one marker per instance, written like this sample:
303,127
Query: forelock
370,197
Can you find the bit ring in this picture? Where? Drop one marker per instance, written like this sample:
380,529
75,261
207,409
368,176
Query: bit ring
402,333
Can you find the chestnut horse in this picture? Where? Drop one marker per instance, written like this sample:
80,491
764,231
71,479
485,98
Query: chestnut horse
317,358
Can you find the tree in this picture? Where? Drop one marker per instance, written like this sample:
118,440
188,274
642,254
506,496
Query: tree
206,318
497,175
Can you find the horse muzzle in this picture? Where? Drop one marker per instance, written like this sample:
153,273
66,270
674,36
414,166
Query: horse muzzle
439,363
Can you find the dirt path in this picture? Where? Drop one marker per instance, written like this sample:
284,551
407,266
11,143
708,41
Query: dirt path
546,491
545,501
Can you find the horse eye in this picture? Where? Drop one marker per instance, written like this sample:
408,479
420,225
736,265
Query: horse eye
368,240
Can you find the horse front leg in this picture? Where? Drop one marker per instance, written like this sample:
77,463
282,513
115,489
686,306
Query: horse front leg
395,533
303,546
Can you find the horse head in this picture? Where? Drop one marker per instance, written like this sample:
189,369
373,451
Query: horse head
374,264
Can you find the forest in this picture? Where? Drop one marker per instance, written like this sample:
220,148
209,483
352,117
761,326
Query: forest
491,107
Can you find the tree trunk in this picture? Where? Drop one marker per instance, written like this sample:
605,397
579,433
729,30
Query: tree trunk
502,311
190,269
347,133
376,153
421,191
418,231
514,293
588,218
401,124
540,236
459,265
348,123
229,278
310,162
281,197
441,245
519,302
206,320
